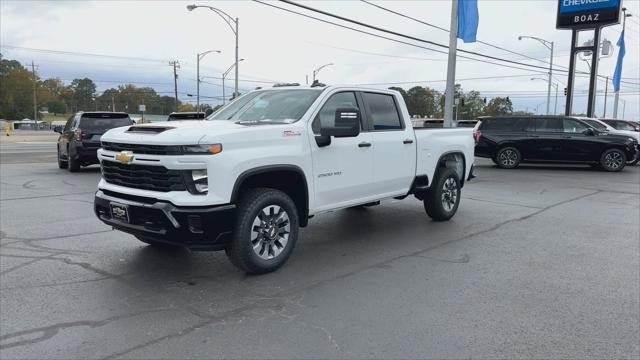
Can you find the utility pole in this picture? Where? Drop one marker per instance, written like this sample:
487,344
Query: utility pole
35,101
451,67
606,92
113,103
176,65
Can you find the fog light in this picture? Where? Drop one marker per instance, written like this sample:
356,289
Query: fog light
200,181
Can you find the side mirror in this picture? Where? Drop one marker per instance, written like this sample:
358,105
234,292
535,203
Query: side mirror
347,124
208,112
589,132
57,129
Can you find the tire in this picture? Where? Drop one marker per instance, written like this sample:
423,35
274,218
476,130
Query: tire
61,163
613,160
265,232
443,197
508,157
72,165
157,244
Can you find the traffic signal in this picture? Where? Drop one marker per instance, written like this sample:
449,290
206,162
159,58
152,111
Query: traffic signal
485,101
565,91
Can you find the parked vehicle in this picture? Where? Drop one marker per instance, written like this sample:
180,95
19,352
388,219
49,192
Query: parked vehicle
175,116
249,176
603,126
79,140
625,125
511,140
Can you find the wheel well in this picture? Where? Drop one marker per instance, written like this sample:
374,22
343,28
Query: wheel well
456,161
288,179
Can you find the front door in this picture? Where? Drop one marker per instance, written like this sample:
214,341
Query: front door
548,141
343,170
576,146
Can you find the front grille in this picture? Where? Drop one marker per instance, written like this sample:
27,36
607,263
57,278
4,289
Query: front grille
146,177
143,149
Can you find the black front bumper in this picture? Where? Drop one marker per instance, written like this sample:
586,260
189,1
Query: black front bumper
197,228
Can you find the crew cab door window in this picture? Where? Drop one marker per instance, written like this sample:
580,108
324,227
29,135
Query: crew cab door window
394,145
327,115
383,112
548,125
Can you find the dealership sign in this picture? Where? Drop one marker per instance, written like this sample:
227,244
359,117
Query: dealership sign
574,14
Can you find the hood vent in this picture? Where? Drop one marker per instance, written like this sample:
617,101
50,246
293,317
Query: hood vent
149,129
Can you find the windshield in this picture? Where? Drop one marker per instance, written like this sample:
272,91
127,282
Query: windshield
596,125
274,106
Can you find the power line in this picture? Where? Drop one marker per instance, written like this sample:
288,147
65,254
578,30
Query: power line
390,39
47,51
444,80
445,30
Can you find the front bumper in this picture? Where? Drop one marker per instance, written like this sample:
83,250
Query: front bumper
197,228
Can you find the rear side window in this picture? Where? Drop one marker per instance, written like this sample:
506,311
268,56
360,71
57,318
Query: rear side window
548,125
573,126
383,111
103,122
621,125
505,124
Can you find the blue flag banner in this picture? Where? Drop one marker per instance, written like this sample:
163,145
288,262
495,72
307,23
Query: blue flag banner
468,19
617,74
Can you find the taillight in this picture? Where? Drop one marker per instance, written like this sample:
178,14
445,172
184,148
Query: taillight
476,135
78,134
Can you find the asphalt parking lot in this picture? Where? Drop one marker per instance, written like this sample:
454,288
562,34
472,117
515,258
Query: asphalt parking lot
539,262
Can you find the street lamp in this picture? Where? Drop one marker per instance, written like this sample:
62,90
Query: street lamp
231,22
549,45
316,71
224,75
200,56
555,85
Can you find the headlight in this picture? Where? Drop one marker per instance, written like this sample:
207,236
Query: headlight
206,149
197,181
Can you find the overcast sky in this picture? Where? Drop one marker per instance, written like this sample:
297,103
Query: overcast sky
280,46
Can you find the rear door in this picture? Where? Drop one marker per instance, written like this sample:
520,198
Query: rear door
394,147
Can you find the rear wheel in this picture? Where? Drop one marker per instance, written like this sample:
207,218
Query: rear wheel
613,160
265,232
508,157
72,164
62,164
442,199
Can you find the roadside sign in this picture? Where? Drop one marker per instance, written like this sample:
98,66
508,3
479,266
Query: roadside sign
142,108
575,14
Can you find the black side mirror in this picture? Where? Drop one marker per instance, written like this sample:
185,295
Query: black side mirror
589,132
347,124
57,129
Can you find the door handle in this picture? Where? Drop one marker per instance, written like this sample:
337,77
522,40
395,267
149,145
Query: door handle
407,141
364,144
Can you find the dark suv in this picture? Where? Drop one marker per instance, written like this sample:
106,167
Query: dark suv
80,139
508,141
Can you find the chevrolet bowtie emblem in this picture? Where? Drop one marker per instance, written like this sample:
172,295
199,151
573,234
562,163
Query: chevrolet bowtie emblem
124,157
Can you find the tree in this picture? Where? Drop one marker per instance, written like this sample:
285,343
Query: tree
83,94
16,90
57,106
186,108
421,101
473,106
498,106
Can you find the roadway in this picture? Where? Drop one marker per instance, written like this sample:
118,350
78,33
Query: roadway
539,262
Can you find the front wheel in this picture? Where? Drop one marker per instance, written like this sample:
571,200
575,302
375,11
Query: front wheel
442,199
73,165
613,160
62,164
265,232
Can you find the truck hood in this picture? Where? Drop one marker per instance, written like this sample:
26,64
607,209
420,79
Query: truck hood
171,133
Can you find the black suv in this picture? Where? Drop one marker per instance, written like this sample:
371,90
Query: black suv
79,141
508,141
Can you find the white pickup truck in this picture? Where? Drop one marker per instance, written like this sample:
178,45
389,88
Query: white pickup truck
247,177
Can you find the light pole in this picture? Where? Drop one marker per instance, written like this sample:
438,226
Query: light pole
316,71
549,45
617,95
224,75
555,85
231,22
200,56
